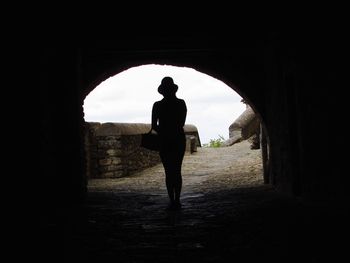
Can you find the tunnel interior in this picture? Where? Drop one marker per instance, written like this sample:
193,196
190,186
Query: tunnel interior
247,125
287,80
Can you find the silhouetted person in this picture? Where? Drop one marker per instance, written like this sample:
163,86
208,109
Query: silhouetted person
168,120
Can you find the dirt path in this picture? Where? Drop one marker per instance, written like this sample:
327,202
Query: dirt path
228,215
207,170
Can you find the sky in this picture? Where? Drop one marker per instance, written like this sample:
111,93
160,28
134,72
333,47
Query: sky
127,97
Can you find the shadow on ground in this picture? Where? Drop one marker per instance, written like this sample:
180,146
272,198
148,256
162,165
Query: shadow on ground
238,225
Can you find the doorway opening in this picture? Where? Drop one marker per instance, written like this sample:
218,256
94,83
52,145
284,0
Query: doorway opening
227,130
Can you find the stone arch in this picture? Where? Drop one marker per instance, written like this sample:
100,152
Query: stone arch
238,80
286,77
115,68
102,76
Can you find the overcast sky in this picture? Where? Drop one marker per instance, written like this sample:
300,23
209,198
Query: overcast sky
212,106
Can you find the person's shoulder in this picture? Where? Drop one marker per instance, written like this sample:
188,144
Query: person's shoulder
156,103
181,100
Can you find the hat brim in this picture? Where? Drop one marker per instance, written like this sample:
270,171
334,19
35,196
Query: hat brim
163,89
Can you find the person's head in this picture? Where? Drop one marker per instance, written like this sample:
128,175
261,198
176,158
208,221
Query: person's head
167,87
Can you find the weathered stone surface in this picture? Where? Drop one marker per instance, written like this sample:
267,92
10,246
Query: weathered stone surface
232,140
104,162
227,215
116,146
191,144
192,130
244,127
122,129
243,122
111,152
205,170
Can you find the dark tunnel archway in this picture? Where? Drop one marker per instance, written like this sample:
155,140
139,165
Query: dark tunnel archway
272,73
289,79
263,133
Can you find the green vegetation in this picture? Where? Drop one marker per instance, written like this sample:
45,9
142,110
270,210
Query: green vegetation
215,143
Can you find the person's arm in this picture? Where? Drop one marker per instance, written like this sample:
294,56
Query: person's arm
184,113
155,118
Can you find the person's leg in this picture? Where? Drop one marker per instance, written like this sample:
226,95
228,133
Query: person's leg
178,176
177,188
172,161
169,181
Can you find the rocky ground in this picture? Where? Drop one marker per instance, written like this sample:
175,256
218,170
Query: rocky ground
228,215
206,170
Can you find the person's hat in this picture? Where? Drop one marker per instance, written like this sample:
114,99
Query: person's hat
167,86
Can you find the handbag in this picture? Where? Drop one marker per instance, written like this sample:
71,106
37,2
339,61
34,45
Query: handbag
150,141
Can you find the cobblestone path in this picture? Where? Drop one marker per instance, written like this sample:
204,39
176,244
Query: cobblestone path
207,170
228,215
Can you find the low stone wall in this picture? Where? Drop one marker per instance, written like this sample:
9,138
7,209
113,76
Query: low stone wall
246,126
113,149
191,130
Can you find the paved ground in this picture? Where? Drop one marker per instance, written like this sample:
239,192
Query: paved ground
228,215
208,170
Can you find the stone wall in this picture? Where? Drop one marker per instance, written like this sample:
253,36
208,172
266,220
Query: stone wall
246,126
191,130
113,149
290,78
